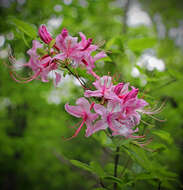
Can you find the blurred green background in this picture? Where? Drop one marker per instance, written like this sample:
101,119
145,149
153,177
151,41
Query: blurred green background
144,41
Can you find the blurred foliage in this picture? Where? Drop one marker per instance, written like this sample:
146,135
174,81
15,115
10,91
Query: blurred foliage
33,154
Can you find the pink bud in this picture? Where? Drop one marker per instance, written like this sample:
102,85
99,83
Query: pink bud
64,33
89,41
44,34
118,88
132,94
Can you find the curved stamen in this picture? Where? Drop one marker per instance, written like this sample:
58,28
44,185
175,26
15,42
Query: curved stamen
77,131
29,80
156,118
20,77
155,111
92,104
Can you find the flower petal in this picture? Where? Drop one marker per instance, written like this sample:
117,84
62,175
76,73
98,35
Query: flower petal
74,110
101,110
96,93
84,104
57,78
99,125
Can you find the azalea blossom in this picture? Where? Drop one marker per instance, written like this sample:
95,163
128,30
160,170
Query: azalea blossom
78,53
40,65
65,50
104,88
82,110
115,119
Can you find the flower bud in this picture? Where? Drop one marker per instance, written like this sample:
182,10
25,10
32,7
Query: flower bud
44,34
118,88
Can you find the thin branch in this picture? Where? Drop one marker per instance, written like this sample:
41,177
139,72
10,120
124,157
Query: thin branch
116,161
159,185
77,77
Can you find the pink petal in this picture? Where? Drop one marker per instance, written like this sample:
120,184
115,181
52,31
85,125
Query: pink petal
99,55
60,56
96,93
74,110
92,116
84,104
58,78
101,110
83,39
99,125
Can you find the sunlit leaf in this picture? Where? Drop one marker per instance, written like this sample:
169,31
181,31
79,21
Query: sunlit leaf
25,27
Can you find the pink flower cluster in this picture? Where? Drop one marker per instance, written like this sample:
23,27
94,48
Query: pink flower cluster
65,50
119,109
116,107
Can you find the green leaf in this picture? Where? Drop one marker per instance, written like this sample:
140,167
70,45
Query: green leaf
140,44
97,168
144,176
139,155
120,142
51,44
115,44
94,167
25,40
81,165
164,135
25,27
113,179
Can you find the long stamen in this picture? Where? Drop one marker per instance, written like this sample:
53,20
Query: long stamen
77,131
156,118
147,123
20,77
92,104
135,137
94,74
29,80
76,125
155,111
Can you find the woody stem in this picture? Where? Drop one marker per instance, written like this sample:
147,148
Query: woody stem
116,161
75,76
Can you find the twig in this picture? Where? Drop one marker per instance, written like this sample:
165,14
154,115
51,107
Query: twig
116,160
83,85
159,185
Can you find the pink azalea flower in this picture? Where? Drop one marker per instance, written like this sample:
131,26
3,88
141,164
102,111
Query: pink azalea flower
78,52
123,110
129,99
69,48
41,66
86,45
115,119
108,114
89,62
104,88
82,110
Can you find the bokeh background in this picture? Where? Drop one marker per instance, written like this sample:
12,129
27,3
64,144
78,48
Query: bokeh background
144,41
